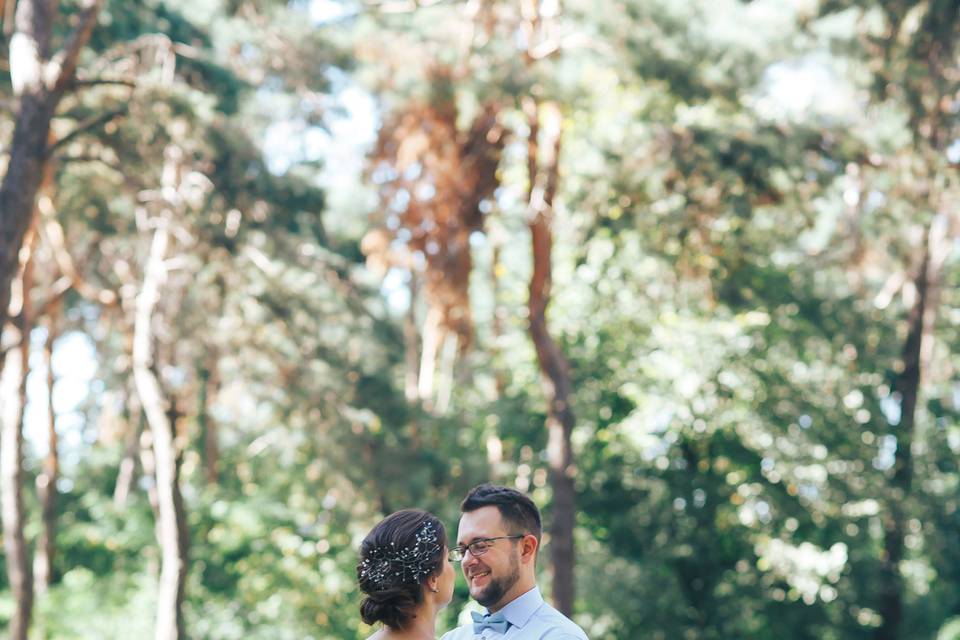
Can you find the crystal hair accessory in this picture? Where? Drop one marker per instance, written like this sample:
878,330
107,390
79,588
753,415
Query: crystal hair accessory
386,566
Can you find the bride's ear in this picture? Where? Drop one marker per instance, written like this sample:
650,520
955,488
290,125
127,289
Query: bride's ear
432,583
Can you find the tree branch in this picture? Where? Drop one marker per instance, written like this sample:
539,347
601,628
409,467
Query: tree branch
62,67
55,294
86,126
401,6
52,232
88,157
92,82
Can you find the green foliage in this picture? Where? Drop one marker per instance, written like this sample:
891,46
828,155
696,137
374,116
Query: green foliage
731,287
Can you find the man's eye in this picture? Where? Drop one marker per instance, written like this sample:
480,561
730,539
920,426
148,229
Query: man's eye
480,545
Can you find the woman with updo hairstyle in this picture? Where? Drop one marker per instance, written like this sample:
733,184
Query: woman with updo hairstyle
405,575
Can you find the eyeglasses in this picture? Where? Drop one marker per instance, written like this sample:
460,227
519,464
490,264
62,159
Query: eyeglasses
476,548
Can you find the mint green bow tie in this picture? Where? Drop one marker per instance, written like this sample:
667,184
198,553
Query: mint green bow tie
495,622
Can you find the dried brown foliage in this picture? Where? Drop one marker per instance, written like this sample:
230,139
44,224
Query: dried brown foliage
433,179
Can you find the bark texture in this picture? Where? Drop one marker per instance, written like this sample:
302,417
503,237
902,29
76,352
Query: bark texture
171,525
13,396
919,332
543,169
47,478
39,81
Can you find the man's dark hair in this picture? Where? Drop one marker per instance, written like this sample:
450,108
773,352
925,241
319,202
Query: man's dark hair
517,510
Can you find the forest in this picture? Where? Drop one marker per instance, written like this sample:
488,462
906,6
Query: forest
682,271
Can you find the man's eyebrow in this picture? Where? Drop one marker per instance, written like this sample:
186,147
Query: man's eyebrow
472,540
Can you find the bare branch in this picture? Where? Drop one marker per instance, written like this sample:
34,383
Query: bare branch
62,68
88,157
54,296
52,232
93,82
86,126
402,6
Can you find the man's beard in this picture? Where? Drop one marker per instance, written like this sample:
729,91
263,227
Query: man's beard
498,587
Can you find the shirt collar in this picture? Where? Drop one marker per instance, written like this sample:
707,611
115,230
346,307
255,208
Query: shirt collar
519,610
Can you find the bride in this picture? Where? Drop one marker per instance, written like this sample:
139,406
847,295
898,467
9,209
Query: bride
405,575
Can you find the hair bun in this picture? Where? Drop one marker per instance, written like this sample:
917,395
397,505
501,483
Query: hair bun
393,607
396,558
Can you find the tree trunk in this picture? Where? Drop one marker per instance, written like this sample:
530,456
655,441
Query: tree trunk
128,466
13,396
171,525
209,389
920,321
20,185
448,360
127,472
496,339
433,335
554,368
411,345
19,573
39,82
209,383
133,448
47,479
148,463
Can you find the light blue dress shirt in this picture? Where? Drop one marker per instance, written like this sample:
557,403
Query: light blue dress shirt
530,618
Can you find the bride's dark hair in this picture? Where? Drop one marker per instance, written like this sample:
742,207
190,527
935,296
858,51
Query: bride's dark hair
396,558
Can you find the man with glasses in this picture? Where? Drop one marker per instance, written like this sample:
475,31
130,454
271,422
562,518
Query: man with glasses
497,544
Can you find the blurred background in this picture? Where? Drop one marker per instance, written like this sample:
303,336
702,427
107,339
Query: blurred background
683,270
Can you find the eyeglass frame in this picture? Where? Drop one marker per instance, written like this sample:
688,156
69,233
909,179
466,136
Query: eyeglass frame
459,552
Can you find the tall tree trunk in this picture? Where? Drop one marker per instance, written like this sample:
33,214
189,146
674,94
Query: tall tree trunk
13,396
209,436
39,82
411,344
496,266
433,336
128,465
148,463
171,525
133,447
47,478
448,360
209,388
853,197
920,321
554,368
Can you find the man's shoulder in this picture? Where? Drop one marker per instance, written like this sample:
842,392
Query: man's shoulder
464,632
557,625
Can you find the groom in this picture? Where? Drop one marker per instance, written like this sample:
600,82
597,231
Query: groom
497,545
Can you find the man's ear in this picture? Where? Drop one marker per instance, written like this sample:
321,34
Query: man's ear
528,547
